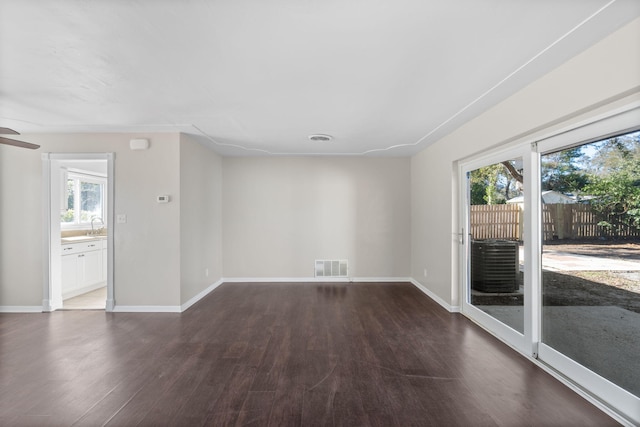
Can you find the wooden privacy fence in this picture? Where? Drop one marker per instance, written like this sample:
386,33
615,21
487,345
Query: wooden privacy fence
496,222
559,221
577,221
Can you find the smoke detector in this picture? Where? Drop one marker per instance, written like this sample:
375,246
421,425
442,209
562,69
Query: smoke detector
320,137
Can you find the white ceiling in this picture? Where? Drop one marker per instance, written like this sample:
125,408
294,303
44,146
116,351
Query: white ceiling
384,77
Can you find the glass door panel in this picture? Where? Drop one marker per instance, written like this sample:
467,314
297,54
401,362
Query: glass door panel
591,257
495,221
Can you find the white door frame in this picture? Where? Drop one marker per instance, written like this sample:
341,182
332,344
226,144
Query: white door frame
520,341
51,299
619,121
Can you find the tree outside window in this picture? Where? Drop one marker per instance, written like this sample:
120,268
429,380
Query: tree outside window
604,174
84,200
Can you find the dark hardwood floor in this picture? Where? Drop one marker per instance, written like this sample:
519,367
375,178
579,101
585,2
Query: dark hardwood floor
276,354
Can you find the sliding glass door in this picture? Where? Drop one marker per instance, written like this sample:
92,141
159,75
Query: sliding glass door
591,265
494,213
550,250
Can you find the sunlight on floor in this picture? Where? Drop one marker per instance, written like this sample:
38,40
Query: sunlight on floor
94,300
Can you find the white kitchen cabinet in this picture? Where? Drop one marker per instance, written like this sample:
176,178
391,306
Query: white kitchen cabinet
82,267
90,268
69,272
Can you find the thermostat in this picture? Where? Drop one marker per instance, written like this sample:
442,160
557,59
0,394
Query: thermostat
163,199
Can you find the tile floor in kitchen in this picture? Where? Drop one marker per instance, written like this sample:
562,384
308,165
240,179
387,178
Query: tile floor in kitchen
94,300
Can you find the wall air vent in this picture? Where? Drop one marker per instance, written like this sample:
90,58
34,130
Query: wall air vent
332,268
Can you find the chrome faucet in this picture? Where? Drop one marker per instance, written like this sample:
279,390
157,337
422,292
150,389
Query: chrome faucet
93,231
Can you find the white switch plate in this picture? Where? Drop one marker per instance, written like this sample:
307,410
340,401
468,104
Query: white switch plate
121,218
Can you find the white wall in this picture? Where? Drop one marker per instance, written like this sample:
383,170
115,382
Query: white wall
584,86
391,217
147,251
200,218
280,214
20,227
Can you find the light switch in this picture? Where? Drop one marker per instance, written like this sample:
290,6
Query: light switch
121,218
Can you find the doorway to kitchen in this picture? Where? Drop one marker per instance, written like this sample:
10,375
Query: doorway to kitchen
78,231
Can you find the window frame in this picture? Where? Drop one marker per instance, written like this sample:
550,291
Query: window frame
91,178
606,392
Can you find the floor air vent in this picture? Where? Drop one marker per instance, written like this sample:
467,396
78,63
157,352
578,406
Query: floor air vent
332,268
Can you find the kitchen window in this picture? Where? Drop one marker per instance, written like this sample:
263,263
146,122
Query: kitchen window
83,200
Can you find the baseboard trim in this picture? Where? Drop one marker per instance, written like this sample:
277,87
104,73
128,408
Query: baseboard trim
20,309
200,295
381,279
166,308
313,279
450,308
146,309
50,305
284,279
210,288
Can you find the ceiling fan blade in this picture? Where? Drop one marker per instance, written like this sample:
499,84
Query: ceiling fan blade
8,131
16,143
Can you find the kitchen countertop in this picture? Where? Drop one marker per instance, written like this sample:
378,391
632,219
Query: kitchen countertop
82,239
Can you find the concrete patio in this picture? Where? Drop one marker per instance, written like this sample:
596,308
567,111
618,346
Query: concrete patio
602,338
554,260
